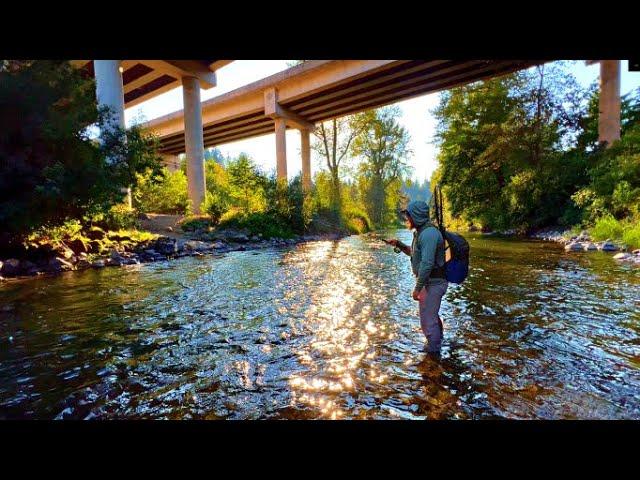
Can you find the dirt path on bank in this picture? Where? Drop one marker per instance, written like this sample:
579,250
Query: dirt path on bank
161,224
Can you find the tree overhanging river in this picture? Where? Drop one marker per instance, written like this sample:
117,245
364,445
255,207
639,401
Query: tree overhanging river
325,330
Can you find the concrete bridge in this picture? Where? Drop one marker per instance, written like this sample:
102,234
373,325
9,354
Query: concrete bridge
298,98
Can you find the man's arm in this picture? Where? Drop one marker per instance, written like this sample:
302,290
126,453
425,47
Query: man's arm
427,244
406,249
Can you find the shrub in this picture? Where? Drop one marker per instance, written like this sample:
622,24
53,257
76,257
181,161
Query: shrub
119,217
257,223
631,235
607,227
214,207
196,222
162,192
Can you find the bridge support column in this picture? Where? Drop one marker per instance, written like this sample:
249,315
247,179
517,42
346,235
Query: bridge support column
110,93
194,141
281,149
609,108
305,150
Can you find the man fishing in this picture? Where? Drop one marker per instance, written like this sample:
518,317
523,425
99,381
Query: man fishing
428,265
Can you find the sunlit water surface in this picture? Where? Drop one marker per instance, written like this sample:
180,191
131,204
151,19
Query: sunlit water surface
325,330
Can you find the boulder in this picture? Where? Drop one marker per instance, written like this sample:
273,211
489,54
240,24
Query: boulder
608,246
574,247
95,246
10,267
64,252
589,246
636,252
96,233
100,263
82,264
28,267
166,246
58,264
622,256
196,246
78,246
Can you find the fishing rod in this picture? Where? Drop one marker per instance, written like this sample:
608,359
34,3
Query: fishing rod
396,248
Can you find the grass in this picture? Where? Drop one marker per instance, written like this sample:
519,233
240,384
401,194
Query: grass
625,231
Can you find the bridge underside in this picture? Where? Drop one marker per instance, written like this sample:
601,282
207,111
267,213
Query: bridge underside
398,80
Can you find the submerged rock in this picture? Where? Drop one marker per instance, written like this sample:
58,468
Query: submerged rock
622,256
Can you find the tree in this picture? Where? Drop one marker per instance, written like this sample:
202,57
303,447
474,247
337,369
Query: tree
382,143
50,167
506,148
246,182
333,141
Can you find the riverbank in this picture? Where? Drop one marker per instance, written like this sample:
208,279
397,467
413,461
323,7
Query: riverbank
583,242
110,249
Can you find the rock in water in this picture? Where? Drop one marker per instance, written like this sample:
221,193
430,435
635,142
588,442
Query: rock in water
10,267
622,256
58,264
573,247
166,246
589,246
608,247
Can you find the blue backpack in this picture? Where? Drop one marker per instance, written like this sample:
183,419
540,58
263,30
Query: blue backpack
457,267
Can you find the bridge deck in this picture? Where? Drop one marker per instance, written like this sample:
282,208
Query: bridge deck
323,89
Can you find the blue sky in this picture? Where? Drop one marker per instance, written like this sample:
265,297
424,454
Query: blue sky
416,117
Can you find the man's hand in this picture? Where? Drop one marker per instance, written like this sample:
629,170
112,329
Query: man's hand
416,295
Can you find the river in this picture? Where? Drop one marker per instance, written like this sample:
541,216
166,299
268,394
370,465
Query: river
325,330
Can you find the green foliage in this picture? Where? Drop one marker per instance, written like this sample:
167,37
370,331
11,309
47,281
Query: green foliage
246,183
507,149
214,206
631,235
607,227
118,217
614,174
161,192
50,168
196,222
383,145
257,223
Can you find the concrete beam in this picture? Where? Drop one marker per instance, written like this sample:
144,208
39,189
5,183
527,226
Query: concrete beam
291,84
609,106
184,68
218,64
274,110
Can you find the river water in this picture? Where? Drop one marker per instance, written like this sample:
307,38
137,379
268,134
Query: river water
325,330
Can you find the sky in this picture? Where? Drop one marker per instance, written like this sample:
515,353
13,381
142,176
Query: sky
416,116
